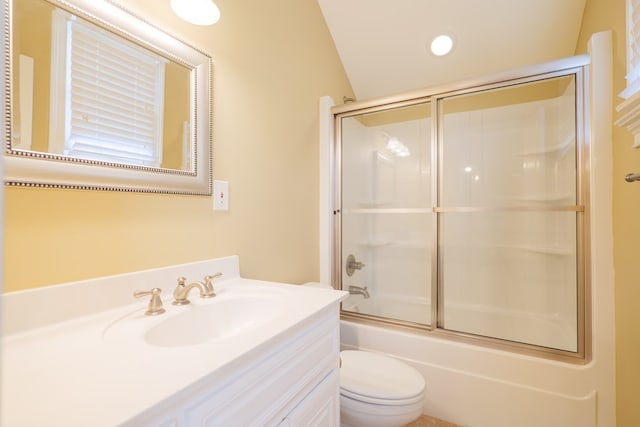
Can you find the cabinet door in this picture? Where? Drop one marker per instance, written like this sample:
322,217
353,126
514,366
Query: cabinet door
320,408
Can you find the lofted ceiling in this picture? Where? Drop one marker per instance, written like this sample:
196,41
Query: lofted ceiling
383,44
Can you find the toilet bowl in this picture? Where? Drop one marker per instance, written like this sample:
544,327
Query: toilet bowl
378,391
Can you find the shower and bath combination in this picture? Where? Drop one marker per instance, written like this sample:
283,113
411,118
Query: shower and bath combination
478,228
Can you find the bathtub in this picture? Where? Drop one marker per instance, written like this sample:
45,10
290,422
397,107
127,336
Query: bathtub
544,329
476,386
417,310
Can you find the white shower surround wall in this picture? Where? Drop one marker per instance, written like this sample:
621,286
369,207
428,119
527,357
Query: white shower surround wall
396,249
477,386
520,267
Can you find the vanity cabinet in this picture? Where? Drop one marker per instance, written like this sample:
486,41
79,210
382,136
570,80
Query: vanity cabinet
292,380
319,408
259,354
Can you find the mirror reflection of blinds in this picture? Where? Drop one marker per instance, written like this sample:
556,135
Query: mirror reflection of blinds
115,102
633,48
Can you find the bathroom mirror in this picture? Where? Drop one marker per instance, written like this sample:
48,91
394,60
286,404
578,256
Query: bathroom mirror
100,99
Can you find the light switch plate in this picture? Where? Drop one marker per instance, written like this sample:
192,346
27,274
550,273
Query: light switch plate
220,195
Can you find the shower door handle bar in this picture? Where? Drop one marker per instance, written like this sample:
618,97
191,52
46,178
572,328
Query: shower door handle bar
443,209
524,208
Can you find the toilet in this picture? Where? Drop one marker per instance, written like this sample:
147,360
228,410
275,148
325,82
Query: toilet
377,390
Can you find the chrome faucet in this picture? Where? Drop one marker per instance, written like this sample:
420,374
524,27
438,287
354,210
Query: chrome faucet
358,290
181,292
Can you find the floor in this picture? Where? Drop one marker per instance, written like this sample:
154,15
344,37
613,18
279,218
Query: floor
427,421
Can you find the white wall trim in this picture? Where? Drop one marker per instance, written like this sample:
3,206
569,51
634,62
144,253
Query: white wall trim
25,93
326,182
601,221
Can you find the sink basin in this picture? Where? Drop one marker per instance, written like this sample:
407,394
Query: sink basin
229,314
201,323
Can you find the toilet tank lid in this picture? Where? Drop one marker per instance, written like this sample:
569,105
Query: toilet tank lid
377,376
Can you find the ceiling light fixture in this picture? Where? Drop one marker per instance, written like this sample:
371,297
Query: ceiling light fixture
442,45
198,12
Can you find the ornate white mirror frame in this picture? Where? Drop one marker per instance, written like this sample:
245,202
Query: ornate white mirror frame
38,169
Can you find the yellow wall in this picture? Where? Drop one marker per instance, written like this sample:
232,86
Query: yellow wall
176,113
272,60
34,40
603,15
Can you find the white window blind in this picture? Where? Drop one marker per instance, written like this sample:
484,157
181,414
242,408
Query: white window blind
633,48
113,101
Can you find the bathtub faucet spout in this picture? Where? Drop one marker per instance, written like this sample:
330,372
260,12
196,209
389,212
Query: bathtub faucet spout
358,290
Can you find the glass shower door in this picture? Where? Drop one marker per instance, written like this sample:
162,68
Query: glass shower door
465,212
386,213
509,210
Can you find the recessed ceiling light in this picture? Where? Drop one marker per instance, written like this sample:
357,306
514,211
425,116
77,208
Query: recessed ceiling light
441,45
198,12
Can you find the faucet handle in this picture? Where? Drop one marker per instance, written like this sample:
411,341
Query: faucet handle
180,292
353,265
155,303
208,285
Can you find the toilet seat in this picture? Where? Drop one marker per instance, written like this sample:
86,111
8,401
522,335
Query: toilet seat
385,402
377,379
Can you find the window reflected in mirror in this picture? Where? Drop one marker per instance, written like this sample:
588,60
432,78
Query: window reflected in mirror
83,92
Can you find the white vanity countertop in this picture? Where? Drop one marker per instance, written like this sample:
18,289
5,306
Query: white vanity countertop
97,370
